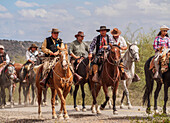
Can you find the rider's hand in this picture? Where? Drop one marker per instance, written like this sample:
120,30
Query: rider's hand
56,53
51,53
4,62
90,56
77,57
105,47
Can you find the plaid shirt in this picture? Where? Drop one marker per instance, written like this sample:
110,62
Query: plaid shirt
93,44
159,42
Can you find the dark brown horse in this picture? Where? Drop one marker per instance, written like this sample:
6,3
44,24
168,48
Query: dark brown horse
110,76
60,83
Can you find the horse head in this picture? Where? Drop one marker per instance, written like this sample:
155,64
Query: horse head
134,51
10,71
63,54
114,54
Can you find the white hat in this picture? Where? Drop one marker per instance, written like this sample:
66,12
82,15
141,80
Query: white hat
1,47
164,27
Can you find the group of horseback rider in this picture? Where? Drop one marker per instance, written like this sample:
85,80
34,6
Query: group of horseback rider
78,50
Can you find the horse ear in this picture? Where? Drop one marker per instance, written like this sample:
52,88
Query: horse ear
66,46
13,62
110,45
136,43
129,43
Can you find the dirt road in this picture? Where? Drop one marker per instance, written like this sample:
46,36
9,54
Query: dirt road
29,114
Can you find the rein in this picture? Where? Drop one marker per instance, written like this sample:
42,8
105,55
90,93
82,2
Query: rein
64,81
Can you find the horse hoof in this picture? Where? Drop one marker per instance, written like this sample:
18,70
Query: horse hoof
130,107
110,107
39,116
11,106
19,104
84,110
148,111
26,104
156,112
93,111
44,103
101,108
77,109
115,112
98,112
66,117
121,106
2,107
56,103
54,116
60,116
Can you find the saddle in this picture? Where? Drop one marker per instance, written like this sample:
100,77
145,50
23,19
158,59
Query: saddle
164,60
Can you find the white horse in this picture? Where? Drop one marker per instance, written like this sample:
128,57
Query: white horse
131,56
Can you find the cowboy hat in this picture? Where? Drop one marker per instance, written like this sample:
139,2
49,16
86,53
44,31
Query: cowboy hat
164,27
115,32
33,46
1,47
54,30
80,33
103,28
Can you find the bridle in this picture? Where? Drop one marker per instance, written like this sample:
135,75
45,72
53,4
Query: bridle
132,54
6,71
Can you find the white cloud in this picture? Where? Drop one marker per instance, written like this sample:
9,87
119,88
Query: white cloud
149,7
87,3
23,4
33,13
84,11
2,8
21,32
106,10
6,15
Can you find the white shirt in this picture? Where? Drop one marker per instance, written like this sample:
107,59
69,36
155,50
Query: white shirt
120,40
31,55
7,58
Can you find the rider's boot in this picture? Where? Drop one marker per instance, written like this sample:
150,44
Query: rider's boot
136,78
123,74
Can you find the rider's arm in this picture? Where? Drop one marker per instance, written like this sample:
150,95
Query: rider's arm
87,47
28,56
124,45
7,59
71,50
44,48
155,44
92,45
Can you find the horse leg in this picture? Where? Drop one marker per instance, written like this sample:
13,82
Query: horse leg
93,91
19,90
59,92
98,87
10,96
3,97
165,97
53,92
114,98
122,106
33,93
65,93
156,93
26,95
45,97
105,89
83,97
74,96
39,101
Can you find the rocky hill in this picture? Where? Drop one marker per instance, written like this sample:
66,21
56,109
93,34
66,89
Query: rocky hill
17,49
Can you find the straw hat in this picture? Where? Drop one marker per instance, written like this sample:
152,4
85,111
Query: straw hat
54,30
1,47
115,32
164,27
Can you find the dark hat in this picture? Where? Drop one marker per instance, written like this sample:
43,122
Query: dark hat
33,46
103,28
80,33
115,32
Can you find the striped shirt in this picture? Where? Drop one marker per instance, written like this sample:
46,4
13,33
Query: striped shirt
161,42
93,44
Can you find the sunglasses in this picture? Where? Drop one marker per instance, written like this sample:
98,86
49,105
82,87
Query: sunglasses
55,32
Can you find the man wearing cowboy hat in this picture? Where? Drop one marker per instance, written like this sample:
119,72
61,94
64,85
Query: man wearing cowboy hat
161,40
4,58
119,40
77,50
49,47
31,55
100,42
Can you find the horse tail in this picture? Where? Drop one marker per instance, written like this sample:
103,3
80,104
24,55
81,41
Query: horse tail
149,82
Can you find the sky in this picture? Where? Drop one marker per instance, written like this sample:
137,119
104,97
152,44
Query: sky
33,19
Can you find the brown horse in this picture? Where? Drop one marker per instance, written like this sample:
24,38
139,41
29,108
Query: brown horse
109,76
60,83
